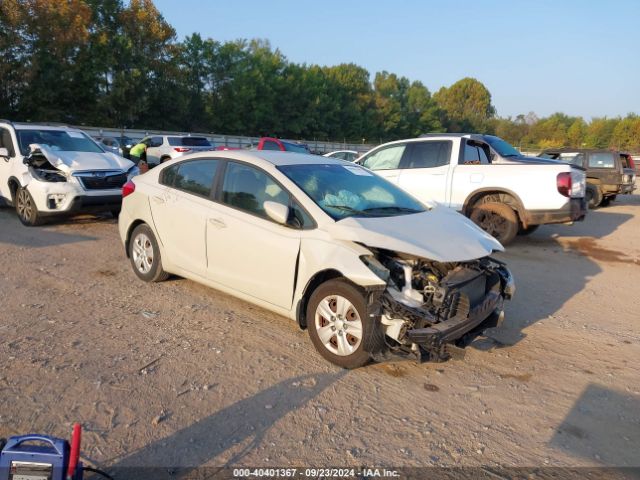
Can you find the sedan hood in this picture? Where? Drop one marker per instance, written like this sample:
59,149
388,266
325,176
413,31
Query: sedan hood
78,161
440,234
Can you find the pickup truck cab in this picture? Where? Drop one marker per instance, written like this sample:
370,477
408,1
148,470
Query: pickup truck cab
270,143
488,183
606,174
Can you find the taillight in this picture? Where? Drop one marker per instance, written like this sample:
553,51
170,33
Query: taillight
632,164
128,188
182,149
564,183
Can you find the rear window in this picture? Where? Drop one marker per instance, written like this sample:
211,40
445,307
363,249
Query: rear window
601,160
573,158
293,147
189,142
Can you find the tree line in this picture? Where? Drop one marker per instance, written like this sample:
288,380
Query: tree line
107,63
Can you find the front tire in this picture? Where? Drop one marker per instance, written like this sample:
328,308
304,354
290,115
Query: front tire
26,208
496,219
145,255
339,326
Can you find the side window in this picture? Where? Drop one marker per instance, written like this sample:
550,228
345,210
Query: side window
601,160
475,154
269,145
155,142
386,158
5,141
428,154
247,188
194,177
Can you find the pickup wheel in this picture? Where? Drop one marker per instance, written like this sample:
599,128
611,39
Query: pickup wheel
594,196
26,208
496,219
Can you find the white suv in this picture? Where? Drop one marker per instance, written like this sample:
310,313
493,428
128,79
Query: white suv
161,148
50,171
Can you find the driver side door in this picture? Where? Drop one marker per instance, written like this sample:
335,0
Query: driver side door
6,163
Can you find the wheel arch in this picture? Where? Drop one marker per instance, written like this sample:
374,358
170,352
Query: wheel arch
499,195
13,184
314,282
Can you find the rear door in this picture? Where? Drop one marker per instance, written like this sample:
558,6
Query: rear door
425,170
181,204
385,161
7,164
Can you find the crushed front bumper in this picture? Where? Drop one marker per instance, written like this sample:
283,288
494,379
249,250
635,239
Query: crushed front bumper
433,341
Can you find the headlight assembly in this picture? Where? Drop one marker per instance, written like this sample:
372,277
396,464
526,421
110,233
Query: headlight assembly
47,175
375,266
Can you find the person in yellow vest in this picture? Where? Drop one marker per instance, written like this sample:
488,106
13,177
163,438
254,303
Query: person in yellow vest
138,152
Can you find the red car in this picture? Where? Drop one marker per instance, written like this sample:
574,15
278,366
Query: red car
269,143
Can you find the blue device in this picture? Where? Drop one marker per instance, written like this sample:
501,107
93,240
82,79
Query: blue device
36,457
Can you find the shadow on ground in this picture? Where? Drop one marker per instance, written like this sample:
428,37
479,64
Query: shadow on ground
180,454
12,232
603,426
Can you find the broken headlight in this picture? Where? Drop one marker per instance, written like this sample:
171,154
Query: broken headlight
375,266
47,175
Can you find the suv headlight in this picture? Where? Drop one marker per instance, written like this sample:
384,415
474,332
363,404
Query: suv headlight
47,175
375,266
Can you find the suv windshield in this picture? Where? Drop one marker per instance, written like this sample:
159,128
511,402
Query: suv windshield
59,140
503,148
188,142
351,191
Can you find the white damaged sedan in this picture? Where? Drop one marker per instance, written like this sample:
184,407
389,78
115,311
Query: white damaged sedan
366,268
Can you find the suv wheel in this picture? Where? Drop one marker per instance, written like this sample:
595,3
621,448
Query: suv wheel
496,219
26,208
145,255
339,326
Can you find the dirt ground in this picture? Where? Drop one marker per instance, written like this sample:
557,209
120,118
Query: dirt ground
177,374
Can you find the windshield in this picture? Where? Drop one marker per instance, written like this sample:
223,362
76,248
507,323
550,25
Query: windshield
350,191
57,140
292,147
503,148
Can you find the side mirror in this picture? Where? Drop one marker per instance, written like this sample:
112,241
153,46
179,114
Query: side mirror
277,212
4,153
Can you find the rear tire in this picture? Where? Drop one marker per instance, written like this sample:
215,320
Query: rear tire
497,219
606,201
339,326
145,255
26,208
594,196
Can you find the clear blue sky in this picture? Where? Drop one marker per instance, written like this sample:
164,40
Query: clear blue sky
581,57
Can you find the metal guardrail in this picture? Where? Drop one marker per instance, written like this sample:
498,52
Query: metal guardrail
235,141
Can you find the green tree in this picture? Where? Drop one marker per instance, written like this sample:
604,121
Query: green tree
466,104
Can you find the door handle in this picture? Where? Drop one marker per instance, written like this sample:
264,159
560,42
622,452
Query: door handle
159,200
217,222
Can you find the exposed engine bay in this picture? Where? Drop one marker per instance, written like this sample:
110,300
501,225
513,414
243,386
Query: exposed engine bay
428,304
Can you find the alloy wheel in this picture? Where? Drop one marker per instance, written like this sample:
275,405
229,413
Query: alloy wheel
142,253
24,204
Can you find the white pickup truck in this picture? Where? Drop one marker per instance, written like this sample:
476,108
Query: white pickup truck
484,178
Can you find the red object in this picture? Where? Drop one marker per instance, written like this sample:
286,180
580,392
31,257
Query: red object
75,451
128,188
270,143
564,182
182,149
224,147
